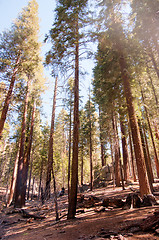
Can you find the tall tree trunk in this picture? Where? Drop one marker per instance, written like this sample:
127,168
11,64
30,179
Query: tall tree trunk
32,194
132,157
90,147
19,200
147,161
50,153
112,157
30,173
40,177
74,179
150,130
125,152
14,178
116,150
70,140
148,153
8,97
141,168
82,163
27,154
101,141
143,180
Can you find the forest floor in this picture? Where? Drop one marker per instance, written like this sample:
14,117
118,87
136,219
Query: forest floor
111,223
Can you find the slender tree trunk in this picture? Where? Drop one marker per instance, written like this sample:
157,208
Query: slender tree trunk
90,148
147,161
82,163
121,169
150,130
132,157
40,180
8,97
27,155
116,149
32,194
112,157
101,141
19,199
125,152
29,184
14,178
50,153
148,154
69,151
74,179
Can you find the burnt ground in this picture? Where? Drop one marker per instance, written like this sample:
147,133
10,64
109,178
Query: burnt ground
112,223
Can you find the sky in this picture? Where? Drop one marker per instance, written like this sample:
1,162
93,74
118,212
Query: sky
9,10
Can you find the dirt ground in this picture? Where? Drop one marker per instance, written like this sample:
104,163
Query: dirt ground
113,223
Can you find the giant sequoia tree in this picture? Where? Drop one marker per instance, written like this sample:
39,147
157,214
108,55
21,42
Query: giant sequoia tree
66,36
116,39
27,22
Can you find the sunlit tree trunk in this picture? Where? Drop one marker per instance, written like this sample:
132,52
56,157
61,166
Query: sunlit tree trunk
14,178
116,152
70,140
132,157
101,141
74,179
19,199
50,168
30,173
90,147
27,154
147,161
8,97
125,152
50,150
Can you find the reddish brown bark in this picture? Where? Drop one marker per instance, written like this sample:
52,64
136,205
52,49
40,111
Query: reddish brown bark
147,161
27,155
116,152
150,130
70,140
19,199
90,148
50,153
8,97
14,178
143,180
82,163
125,152
132,157
101,142
74,179
50,168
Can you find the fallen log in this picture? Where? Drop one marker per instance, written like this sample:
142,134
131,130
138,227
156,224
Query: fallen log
151,222
113,202
26,214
